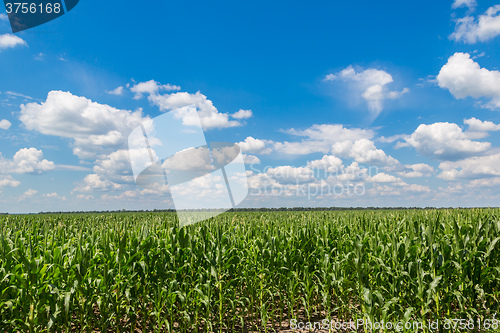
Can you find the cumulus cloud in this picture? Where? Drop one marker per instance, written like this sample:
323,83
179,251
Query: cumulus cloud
485,182
464,3
28,194
320,138
54,196
117,91
463,77
242,114
384,178
282,177
4,17
9,182
85,197
329,163
445,141
250,159
254,146
416,170
196,160
476,125
96,182
26,160
181,102
95,128
151,87
364,151
340,181
5,124
353,172
471,168
8,41
372,84
471,30
397,190
115,167
340,141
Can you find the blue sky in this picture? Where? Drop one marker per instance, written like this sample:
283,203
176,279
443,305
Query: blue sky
398,99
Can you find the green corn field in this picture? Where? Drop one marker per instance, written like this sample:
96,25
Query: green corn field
247,271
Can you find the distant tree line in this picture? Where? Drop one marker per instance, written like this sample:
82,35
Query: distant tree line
280,209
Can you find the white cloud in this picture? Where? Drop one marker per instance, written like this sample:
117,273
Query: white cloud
304,147
182,101
384,178
242,114
486,27
28,194
476,125
196,160
485,182
399,189
85,197
9,182
320,138
13,94
26,160
329,163
364,151
353,173
332,133
337,140
416,170
127,195
471,168
72,167
40,56
96,182
111,172
464,3
5,124
250,159
115,167
372,84
416,188
4,17
254,146
117,91
151,87
463,77
95,128
10,41
392,138
54,196
445,141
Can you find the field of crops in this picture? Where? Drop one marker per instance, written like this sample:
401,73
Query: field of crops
246,271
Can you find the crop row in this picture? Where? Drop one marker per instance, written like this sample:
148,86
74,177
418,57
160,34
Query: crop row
245,271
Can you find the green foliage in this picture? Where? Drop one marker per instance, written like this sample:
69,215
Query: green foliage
253,270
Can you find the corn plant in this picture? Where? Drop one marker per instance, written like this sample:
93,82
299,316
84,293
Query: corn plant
246,271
